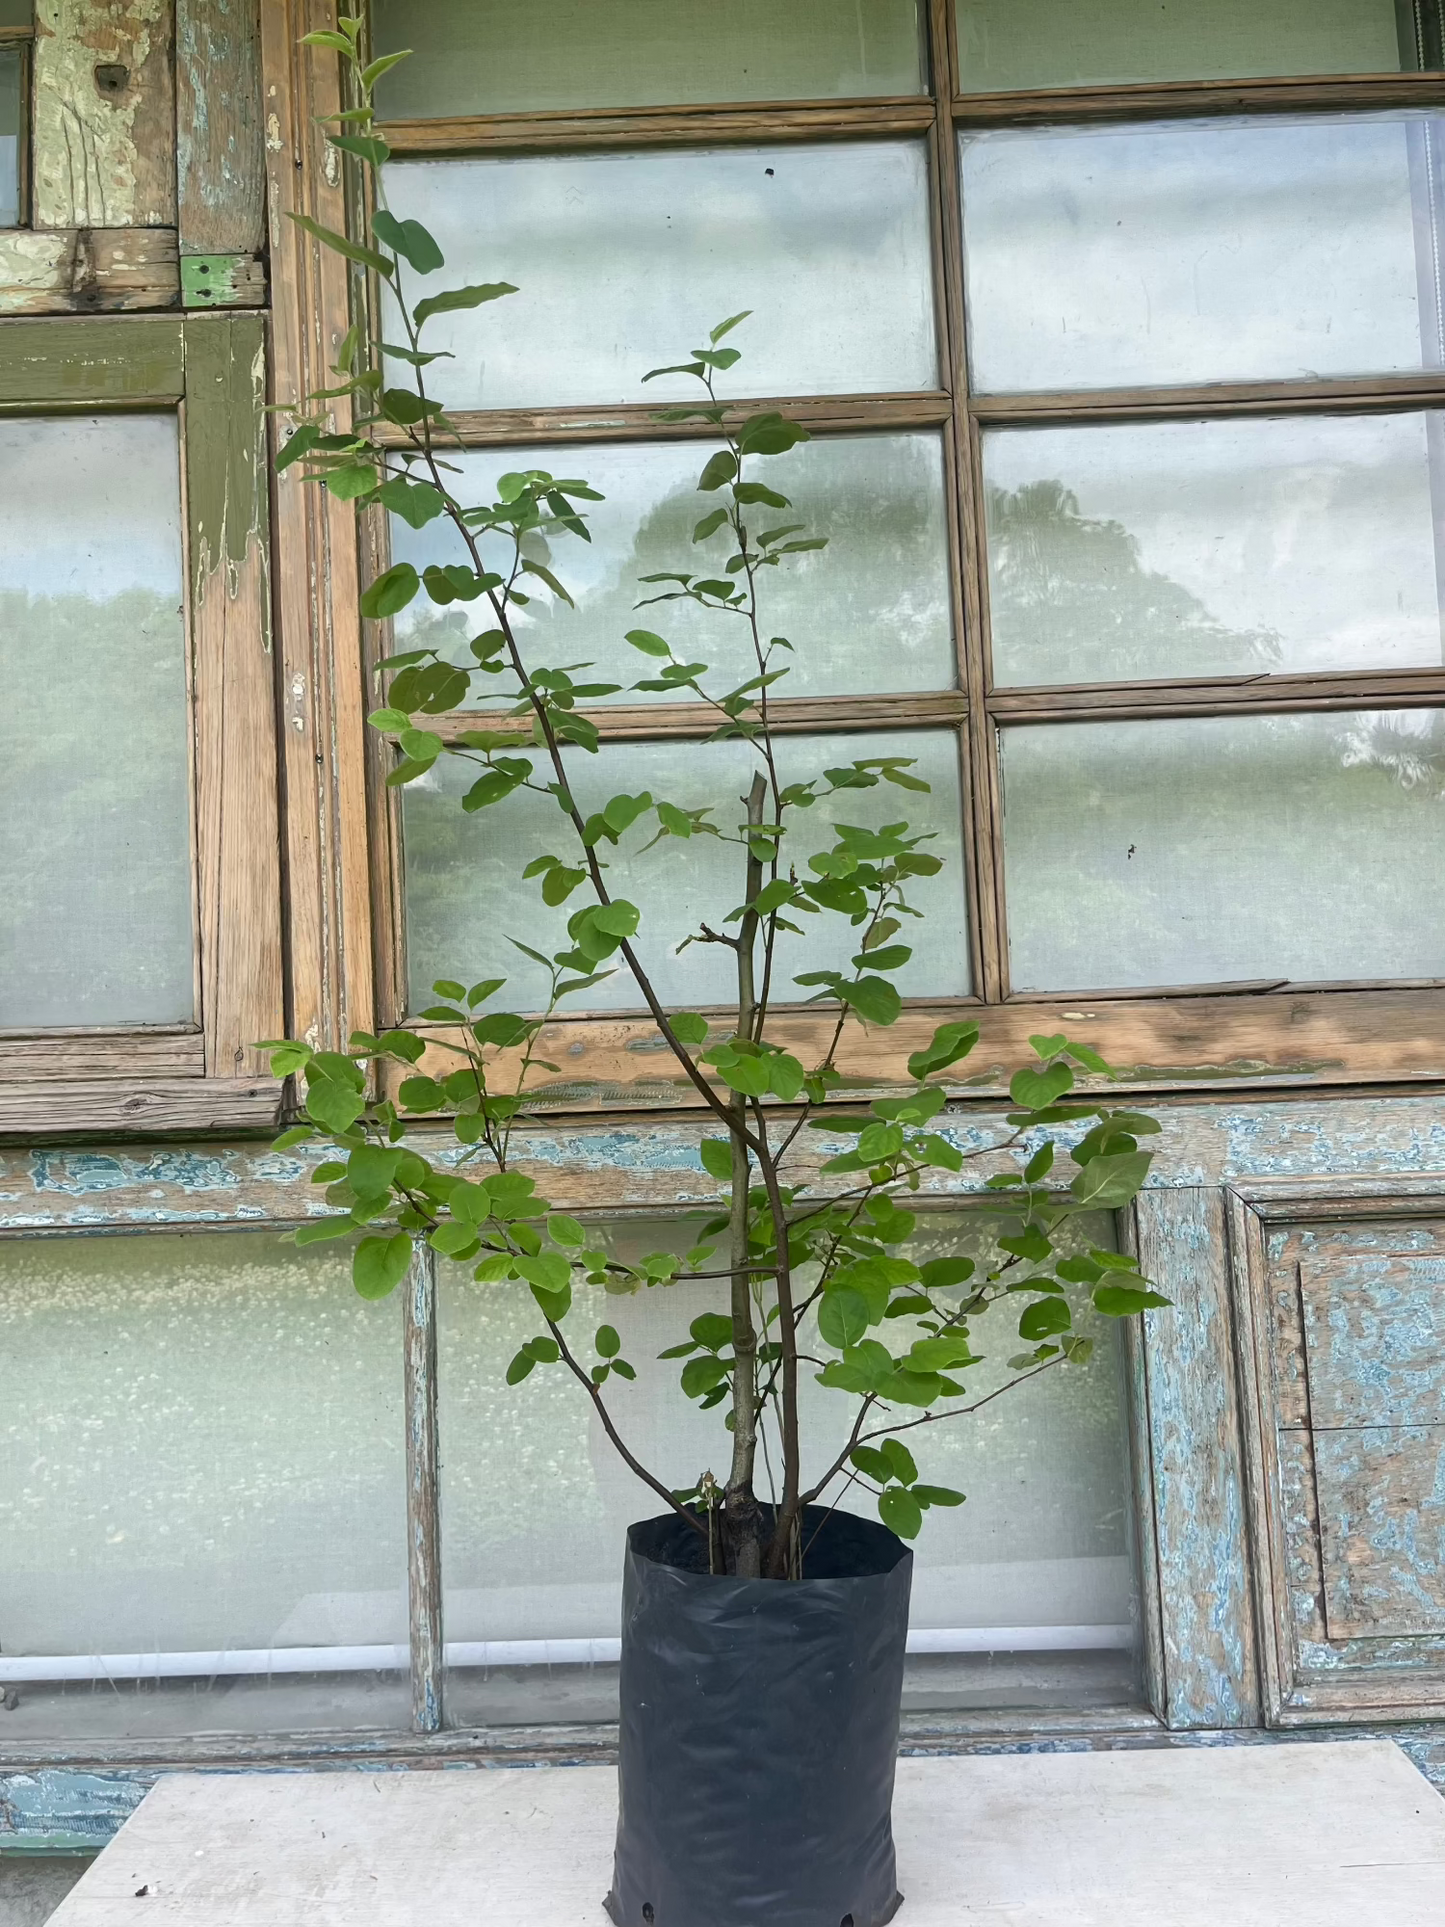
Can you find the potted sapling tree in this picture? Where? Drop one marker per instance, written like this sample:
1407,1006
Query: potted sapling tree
764,1619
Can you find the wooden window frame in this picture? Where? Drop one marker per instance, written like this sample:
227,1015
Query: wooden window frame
1175,1037
21,41
209,370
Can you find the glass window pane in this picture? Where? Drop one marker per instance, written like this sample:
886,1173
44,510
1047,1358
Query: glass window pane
465,896
878,498
1214,548
490,57
1199,251
17,13
10,71
1225,849
95,864
1058,43
202,1489
1025,1595
624,261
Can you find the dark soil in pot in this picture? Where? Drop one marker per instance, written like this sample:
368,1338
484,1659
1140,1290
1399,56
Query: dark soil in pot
759,1732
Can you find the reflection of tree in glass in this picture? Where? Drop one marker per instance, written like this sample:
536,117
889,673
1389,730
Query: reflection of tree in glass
1072,601
869,613
112,897
1407,744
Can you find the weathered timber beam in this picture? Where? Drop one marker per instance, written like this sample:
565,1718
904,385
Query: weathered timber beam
105,114
84,270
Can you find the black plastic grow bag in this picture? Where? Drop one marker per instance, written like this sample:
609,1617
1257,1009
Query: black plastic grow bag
759,1732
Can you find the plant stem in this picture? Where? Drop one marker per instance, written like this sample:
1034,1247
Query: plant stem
742,1520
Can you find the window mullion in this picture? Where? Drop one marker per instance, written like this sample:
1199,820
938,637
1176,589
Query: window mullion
423,1530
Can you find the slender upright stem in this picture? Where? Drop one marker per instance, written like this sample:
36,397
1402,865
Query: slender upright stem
741,1517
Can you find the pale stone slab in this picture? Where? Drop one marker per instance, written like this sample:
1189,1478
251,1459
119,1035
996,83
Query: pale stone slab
1334,1834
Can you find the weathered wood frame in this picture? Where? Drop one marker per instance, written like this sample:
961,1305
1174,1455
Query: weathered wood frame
142,176
209,370
1190,1418
1291,1696
1259,1035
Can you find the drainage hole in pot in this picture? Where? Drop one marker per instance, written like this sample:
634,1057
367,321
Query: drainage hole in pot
647,1913
846,1921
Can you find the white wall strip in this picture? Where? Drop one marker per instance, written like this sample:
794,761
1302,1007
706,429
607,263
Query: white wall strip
262,1661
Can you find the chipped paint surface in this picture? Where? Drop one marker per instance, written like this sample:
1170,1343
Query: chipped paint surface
104,114
657,1163
59,1810
1197,1471
1382,1529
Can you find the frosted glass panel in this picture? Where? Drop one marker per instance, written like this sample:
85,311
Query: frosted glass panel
491,57
465,897
95,865
1195,251
535,1503
624,261
201,1472
9,138
1225,849
869,613
1059,43
1213,548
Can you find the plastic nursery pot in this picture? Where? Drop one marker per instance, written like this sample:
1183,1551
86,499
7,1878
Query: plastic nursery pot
759,1732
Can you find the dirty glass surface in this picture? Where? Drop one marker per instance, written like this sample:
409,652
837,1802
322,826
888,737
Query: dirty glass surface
1191,251
95,864
10,104
1230,547
465,896
490,57
869,613
202,1490
625,260
1061,43
1025,1595
1225,849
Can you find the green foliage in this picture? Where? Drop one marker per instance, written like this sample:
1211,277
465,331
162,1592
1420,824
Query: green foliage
809,1256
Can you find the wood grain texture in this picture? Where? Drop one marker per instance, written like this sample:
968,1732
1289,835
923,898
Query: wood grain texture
1285,1039
236,762
93,1054
423,1508
220,158
88,270
1374,1336
137,1105
1222,696
1206,1608
827,414
92,361
1167,99
323,698
1382,1528
1348,396
104,114
790,715
660,127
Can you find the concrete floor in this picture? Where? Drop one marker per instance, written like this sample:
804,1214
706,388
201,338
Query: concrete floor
32,1888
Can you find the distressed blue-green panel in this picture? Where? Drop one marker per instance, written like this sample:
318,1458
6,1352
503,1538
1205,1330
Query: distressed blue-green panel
60,1810
1206,1609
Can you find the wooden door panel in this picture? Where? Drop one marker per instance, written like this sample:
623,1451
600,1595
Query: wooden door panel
1342,1331
1382,1528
